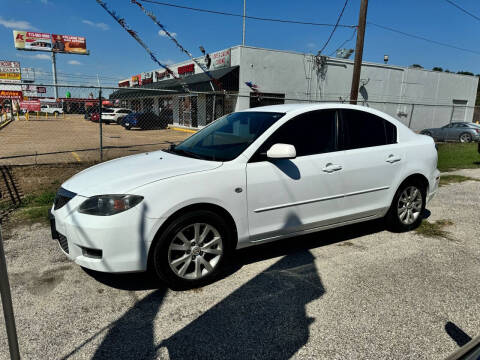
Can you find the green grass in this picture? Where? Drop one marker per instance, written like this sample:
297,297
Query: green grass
34,208
458,156
452,179
435,229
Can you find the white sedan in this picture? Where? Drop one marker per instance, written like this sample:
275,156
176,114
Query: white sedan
248,178
113,115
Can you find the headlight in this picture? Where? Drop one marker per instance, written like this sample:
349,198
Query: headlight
105,205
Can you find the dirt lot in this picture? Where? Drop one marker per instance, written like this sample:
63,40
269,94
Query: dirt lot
77,139
357,292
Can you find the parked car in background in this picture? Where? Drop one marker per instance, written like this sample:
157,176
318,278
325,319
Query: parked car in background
458,131
95,117
51,109
249,178
89,111
112,115
143,120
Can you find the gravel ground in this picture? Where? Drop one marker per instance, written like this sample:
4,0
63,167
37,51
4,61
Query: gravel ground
357,292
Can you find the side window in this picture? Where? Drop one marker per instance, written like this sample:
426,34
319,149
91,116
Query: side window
361,129
311,133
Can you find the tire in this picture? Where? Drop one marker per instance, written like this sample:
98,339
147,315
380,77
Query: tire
465,138
412,216
185,264
128,127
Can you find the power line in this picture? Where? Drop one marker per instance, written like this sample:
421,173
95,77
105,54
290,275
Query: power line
247,17
463,10
335,27
345,42
424,38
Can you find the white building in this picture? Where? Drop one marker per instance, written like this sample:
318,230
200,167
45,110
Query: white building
252,77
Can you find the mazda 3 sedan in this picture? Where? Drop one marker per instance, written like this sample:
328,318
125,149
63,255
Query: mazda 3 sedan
250,177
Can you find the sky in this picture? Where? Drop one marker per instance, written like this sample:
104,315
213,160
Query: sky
114,55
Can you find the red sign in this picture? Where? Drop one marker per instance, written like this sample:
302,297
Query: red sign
30,105
41,89
11,94
186,69
124,83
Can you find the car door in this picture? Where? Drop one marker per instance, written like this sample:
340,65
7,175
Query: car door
292,195
445,132
373,162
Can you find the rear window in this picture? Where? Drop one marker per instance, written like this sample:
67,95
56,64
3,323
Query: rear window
107,110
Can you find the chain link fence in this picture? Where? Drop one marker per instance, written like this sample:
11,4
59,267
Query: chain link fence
92,124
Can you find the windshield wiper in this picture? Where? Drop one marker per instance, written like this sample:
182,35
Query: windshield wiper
174,150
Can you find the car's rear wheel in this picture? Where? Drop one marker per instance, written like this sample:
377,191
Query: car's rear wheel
192,249
408,205
465,138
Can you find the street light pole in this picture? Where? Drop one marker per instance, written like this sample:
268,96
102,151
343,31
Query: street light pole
244,10
357,67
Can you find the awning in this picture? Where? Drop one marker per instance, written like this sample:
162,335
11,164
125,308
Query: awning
227,77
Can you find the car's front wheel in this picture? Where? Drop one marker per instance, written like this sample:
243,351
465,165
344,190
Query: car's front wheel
193,249
408,205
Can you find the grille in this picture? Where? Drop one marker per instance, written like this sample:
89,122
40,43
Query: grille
62,197
62,240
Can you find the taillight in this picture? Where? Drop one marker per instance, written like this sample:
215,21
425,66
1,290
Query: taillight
478,131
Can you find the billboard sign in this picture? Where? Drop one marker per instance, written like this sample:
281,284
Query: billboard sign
29,40
11,94
29,90
30,105
10,71
69,44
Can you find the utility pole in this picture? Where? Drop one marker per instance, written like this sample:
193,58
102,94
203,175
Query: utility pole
357,67
54,71
244,10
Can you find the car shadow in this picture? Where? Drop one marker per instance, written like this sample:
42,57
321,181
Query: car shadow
265,318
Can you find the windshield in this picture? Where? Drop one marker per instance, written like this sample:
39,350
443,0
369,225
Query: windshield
227,137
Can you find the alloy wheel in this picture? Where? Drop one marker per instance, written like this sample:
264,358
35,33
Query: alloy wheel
195,251
465,138
409,205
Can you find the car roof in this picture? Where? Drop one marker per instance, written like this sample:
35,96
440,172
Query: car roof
286,108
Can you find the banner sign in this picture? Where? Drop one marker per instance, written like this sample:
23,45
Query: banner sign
10,70
30,105
11,94
136,80
28,40
41,89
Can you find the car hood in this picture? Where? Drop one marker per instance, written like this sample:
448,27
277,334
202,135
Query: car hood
122,175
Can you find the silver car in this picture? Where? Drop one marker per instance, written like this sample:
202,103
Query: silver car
458,131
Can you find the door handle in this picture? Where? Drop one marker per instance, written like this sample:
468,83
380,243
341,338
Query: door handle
393,159
329,168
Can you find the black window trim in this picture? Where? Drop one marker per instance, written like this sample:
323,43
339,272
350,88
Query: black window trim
336,140
342,128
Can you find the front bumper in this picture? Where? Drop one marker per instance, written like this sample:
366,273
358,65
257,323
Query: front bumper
117,243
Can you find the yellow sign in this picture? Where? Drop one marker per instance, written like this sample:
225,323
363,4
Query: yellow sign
10,76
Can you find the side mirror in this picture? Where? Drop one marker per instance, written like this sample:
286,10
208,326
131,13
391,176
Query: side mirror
282,151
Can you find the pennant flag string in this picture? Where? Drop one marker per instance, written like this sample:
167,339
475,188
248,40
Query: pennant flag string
132,33
200,65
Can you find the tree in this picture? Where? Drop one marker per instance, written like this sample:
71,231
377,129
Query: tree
437,68
447,71
417,66
465,73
